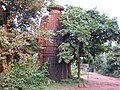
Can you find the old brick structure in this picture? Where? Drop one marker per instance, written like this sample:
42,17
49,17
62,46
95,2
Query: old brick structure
57,71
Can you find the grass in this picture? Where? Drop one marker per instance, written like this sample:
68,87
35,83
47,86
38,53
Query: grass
64,84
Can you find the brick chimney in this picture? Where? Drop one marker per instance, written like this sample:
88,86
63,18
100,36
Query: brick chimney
57,71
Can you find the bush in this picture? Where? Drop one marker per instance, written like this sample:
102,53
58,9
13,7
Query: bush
22,76
110,68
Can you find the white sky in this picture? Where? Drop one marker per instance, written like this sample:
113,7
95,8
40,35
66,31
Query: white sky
110,7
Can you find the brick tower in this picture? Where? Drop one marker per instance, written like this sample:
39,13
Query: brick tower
57,71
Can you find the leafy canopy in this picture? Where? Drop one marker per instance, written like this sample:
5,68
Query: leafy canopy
85,33
24,11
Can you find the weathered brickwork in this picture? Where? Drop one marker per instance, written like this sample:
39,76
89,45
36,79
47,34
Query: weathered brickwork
57,71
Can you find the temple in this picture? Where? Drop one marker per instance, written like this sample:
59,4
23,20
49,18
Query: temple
57,71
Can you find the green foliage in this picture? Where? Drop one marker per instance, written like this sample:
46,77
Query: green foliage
108,64
22,76
24,43
67,83
66,54
74,69
23,11
85,33
21,44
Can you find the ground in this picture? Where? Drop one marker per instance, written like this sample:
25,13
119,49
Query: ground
98,82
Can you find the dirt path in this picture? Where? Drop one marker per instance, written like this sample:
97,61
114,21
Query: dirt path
98,82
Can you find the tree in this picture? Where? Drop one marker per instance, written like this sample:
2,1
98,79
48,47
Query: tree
109,62
19,40
23,11
85,34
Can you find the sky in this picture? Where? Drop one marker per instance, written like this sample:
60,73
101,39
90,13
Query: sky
110,7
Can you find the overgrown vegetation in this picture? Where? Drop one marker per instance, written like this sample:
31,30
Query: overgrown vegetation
20,40
25,76
84,32
109,63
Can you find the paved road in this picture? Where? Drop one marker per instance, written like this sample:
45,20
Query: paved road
98,82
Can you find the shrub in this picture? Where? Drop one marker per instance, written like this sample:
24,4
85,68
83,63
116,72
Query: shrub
23,76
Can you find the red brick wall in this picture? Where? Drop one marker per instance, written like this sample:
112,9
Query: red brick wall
57,71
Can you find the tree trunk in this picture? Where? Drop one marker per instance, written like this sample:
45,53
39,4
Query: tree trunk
94,68
78,69
69,70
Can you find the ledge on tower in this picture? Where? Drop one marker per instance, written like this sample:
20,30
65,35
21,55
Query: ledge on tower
55,7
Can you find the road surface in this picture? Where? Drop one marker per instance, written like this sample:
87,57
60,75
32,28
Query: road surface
98,82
